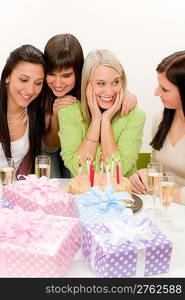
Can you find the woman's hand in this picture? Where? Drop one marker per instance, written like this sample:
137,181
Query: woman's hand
139,182
62,102
129,101
109,113
92,103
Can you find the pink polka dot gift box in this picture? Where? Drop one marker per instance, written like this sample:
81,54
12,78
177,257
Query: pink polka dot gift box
129,247
33,244
40,193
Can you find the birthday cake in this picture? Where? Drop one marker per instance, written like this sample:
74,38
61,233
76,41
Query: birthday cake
81,184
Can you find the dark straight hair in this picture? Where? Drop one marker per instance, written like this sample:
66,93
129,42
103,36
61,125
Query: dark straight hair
37,131
63,51
174,68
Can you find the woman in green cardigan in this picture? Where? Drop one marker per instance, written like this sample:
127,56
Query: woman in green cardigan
94,126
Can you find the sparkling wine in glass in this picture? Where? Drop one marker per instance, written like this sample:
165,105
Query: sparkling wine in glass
42,166
167,191
154,172
7,172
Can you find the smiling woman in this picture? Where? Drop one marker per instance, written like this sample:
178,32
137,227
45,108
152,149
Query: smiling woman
168,141
95,127
23,85
61,82
64,61
107,87
21,108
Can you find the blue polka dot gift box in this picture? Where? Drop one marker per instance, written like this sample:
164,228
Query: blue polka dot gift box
129,247
95,205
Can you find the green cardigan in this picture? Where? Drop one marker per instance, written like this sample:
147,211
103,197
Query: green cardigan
127,131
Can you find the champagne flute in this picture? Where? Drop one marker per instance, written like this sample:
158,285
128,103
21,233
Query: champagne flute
7,172
42,166
167,191
154,172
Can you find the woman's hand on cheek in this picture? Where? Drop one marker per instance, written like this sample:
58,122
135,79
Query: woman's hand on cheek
109,113
63,102
92,102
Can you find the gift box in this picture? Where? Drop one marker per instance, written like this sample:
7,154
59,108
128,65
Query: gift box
40,193
33,244
132,247
95,205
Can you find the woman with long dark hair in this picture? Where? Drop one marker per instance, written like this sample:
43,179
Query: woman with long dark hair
168,141
22,125
64,61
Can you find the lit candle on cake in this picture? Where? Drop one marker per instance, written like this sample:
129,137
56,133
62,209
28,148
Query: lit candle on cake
91,174
101,170
112,166
119,163
88,164
108,173
79,170
117,172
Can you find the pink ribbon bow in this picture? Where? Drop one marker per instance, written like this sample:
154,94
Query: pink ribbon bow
43,191
19,227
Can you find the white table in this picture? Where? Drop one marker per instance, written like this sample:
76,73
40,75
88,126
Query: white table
175,232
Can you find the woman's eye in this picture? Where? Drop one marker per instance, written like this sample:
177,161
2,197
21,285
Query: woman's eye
66,75
23,80
100,83
116,82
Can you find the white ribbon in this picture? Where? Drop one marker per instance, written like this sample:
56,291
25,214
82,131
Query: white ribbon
133,228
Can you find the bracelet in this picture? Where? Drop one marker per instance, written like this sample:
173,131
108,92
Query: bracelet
91,140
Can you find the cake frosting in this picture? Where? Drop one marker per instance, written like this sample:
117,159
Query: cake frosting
81,184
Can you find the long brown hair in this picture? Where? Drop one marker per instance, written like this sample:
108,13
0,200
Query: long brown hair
64,51
25,53
174,68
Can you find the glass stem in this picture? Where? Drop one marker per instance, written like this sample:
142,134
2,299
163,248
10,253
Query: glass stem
153,201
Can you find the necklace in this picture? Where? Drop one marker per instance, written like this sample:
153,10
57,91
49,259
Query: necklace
17,124
20,115
17,130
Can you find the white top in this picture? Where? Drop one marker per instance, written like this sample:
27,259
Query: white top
171,157
19,149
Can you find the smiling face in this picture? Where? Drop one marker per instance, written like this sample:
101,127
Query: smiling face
168,92
24,84
61,82
106,83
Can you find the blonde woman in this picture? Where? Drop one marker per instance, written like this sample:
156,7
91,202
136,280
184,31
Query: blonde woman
64,60
94,125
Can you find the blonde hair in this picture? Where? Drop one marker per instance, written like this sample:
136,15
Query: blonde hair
93,59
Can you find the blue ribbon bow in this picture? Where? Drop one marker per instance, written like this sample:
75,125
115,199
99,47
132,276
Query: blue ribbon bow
105,200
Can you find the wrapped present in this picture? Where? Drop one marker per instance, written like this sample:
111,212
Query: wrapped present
34,244
95,205
40,193
129,247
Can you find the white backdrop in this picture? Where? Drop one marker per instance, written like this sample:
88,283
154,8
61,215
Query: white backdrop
139,32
